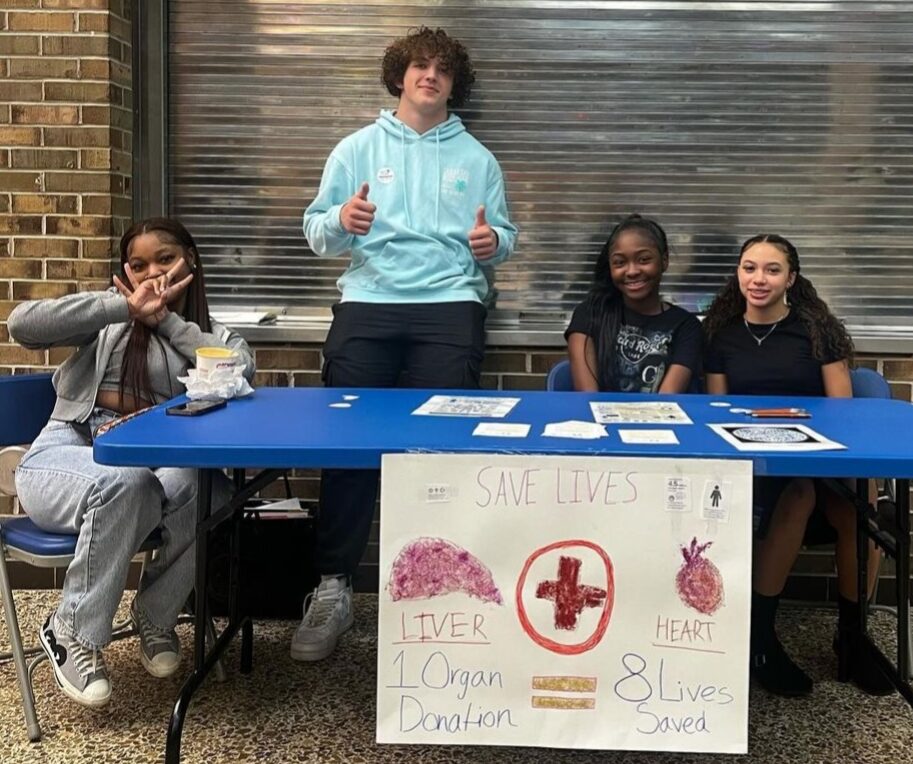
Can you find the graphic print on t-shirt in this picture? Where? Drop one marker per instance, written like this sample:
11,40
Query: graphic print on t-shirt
640,361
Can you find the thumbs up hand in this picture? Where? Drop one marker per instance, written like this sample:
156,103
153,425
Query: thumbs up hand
357,214
483,241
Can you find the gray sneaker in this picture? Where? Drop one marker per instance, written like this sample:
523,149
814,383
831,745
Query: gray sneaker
159,650
327,614
80,671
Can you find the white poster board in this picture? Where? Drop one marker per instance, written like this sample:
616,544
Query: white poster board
547,601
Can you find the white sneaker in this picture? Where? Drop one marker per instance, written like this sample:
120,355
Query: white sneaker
327,614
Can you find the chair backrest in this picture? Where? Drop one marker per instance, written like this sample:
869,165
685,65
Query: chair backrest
868,383
9,460
559,378
26,403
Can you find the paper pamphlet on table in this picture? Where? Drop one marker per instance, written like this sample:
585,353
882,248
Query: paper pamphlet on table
574,429
466,405
560,601
774,437
230,317
639,412
501,430
658,437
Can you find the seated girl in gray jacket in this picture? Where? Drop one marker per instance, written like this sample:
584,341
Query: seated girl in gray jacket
132,343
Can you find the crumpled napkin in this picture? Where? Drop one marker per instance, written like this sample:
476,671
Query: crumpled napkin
219,384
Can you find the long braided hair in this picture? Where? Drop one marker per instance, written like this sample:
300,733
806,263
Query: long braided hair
134,375
829,336
605,301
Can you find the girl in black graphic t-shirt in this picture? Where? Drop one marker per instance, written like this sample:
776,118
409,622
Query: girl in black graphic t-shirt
623,337
768,333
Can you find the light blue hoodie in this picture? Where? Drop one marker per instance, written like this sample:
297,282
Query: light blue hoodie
427,189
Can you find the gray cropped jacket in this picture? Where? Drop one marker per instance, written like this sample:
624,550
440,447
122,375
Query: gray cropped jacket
93,322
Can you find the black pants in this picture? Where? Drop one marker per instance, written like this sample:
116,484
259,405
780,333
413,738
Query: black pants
437,345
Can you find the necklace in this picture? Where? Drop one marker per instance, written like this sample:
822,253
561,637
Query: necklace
770,331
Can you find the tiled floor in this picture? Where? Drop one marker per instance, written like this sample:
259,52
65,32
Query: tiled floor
288,712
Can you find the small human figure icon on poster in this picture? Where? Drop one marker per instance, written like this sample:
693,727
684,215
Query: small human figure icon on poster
716,496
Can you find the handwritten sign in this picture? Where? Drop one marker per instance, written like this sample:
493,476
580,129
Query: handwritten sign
556,601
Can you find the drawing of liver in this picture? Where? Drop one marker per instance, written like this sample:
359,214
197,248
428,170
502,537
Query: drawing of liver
429,567
699,583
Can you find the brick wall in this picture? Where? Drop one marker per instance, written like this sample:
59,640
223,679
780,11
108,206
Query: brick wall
65,139
65,151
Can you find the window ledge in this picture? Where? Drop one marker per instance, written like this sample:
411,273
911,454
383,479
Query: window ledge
513,331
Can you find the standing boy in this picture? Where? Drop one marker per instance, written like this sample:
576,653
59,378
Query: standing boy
419,204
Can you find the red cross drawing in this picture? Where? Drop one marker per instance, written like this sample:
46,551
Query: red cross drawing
570,598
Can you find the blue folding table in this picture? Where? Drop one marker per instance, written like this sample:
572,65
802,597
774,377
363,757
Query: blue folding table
277,429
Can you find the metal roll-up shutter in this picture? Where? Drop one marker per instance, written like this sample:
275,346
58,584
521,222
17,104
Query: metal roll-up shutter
719,119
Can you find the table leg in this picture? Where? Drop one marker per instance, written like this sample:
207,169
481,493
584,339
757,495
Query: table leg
903,577
234,566
203,662
862,555
182,705
204,508
247,646
897,543
899,674
179,713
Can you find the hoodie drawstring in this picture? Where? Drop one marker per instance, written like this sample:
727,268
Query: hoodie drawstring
448,129
402,171
438,179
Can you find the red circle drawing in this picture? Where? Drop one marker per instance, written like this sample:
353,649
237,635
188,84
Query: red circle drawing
601,626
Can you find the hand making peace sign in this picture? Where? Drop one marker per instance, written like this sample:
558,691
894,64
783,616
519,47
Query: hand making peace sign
148,300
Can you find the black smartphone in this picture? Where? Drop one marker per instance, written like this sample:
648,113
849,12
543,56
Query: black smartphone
194,408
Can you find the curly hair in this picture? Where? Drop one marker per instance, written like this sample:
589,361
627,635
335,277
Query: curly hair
604,300
829,336
425,42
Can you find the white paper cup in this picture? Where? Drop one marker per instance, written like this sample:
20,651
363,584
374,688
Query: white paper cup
216,359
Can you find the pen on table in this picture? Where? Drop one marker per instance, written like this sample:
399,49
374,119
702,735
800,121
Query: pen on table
788,413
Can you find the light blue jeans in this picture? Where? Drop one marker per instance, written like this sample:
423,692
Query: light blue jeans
113,509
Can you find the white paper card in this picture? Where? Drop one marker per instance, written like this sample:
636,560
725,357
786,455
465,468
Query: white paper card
465,405
663,437
282,504
639,412
501,430
574,429
678,494
438,493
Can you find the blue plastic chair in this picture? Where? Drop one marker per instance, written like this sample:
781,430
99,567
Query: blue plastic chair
868,383
26,403
559,377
